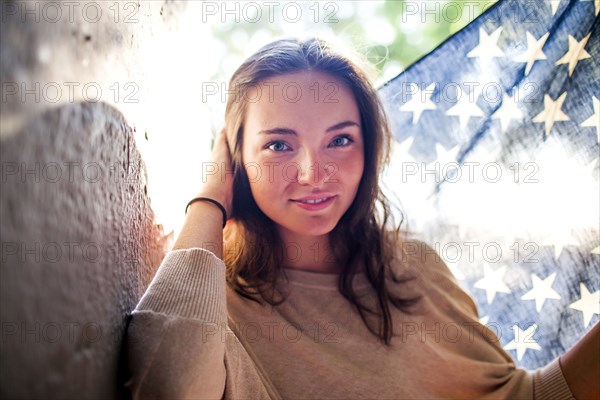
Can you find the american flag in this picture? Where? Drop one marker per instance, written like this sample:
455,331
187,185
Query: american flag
496,166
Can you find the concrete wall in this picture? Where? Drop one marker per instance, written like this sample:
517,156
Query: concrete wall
79,239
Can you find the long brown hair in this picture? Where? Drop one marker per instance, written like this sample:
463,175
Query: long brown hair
253,251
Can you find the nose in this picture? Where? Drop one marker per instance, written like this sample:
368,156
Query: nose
310,169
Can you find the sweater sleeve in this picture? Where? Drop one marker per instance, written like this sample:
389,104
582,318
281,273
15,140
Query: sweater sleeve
549,383
174,348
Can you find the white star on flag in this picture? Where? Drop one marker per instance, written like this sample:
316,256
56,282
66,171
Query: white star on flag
596,6
507,111
419,102
576,53
542,290
594,120
401,150
588,304
552,112
534,51
554,4
488,46
464,107
492,282
523,341
442,158
560,238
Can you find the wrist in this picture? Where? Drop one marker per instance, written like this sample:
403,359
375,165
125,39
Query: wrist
213,191
213,202
216,195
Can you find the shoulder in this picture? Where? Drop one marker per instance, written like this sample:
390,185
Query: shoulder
412,254
419,259
410,250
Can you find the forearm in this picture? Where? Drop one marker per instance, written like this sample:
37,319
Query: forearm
174,358
581,366
203,228
174,345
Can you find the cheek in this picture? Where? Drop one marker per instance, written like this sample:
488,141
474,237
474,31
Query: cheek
253,172
265,182
350,170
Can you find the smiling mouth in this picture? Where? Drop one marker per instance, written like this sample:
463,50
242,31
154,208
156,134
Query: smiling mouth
315,204
313,201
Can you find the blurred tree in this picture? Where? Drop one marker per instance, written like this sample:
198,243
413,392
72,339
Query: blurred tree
391,34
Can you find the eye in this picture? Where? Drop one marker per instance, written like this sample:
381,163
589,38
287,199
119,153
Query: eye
341,141
277,147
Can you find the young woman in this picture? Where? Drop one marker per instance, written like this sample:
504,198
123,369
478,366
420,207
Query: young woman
310,291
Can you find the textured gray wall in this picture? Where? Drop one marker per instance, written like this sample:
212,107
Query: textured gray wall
79,241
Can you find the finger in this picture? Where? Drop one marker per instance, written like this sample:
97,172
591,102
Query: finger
223,143
223,137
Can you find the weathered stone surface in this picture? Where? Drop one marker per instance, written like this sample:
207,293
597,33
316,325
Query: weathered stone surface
79,247
79,238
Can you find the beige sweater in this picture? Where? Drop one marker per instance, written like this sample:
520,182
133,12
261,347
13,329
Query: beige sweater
191,336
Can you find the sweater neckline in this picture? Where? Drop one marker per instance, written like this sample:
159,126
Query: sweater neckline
321,280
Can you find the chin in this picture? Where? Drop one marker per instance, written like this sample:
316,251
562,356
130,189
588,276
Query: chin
315,229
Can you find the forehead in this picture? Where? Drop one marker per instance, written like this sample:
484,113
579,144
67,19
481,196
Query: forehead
306,99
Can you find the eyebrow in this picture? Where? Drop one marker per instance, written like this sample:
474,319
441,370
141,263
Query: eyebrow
287,131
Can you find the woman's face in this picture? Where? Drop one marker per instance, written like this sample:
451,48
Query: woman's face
303,150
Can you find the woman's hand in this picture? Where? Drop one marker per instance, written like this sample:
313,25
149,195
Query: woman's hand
203,225
219,181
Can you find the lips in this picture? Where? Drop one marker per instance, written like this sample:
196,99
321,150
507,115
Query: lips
314,199
314,202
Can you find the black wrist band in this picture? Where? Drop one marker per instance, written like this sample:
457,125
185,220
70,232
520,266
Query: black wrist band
216,203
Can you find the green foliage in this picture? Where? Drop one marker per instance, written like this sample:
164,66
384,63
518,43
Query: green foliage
391,34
